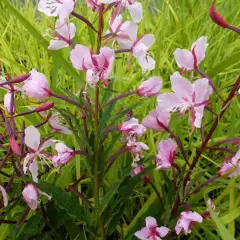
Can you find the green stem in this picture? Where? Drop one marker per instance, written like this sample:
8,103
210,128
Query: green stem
96,135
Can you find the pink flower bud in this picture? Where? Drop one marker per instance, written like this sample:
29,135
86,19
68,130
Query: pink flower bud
44,107
216,17
15,147
31,196
150,88
146,179
36,86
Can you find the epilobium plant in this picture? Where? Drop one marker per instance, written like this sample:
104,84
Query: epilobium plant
95,121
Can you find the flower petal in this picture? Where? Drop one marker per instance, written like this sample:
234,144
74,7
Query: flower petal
151,222
181,86
32,138
184,59
81,57
4,196
143,234
163,231
169,102
199,47
136,11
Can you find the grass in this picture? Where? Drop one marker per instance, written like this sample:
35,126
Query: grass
175,23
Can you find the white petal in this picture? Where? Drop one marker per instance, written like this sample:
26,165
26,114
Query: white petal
33,168
136,11
4,196
147,63
32,137
184,59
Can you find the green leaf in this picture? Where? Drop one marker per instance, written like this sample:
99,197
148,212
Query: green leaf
229,217
106,199
228,62
225,234
64,200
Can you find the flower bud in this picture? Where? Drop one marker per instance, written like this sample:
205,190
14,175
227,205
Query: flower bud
146,179
216,17
15,147
44,107
36,86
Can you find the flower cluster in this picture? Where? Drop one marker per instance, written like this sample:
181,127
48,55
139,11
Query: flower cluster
35,155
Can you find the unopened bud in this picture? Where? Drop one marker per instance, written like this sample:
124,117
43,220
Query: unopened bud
15,147
216,17
146,179
44,107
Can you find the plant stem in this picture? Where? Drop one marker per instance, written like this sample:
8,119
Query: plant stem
96,135
119,97
66,99
83,19
210,180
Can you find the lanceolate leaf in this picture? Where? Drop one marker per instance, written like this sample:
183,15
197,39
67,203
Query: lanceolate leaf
64,200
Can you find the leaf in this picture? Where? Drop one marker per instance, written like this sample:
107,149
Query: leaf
229,217
106,199
225,234
125,111
64,200
233,59
43,42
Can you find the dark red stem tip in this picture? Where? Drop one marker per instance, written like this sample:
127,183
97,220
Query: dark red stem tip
216,17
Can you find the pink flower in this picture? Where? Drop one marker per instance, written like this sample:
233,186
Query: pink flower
166,154
34,86
132,128
137,148
193,97
150,88
140,49
32,140
4,196
152,231
157,119
98,67
186,222
135,8
137,170
64,33
231,167
54,8
189,60
31,196
125,33
7,102
65,155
